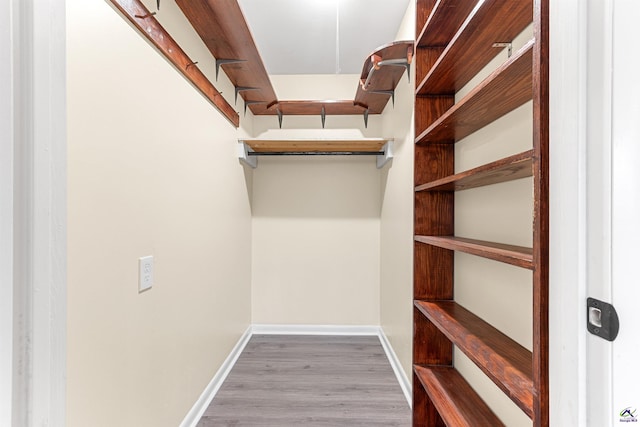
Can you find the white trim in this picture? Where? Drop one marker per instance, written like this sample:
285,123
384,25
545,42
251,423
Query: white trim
38,50
194,415
6,213
401,376
355,330
568,213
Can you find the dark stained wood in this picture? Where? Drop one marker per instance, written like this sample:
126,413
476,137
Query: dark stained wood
432,272
431,346
433,215
471,48
316,145
458,404
222,27
541,212
425,58
428,109
507,88
509,254
440,73
151,29
444,21
424,411
313,108
507,363
503,170
423,10
385,78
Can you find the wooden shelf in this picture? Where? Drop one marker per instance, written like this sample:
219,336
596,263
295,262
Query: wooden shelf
444,21
509,254
506,362
313,108
507,88
148,26
456,402
503,170
471,47
316,145
222,27
386,78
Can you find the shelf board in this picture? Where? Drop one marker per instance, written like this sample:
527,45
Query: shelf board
315,145
386,78
471,48
444,21
503,170
509,254
457,403
147,25
507,88
223,29
313,108
504,361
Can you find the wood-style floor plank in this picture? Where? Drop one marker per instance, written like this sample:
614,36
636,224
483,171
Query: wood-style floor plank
284,381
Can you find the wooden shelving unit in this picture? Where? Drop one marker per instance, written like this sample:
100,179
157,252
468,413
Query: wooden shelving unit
505,89
223,29
455,40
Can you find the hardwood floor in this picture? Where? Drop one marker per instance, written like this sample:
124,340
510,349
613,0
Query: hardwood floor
310,381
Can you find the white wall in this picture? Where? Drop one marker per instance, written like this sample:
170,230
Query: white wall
396,218
152,171
316,232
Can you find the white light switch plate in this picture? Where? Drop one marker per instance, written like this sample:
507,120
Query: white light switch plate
145,273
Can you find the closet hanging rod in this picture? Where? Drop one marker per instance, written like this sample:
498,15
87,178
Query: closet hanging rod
317,153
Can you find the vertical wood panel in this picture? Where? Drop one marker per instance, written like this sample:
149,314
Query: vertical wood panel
428,109
425,58
541,213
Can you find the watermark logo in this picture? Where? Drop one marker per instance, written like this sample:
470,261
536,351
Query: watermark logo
628,415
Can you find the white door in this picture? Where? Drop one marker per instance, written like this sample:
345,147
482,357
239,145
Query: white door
625,121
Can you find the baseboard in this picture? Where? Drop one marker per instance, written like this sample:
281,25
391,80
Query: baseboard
194,415
316,330
401,376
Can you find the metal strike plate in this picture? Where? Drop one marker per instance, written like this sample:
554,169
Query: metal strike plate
602,319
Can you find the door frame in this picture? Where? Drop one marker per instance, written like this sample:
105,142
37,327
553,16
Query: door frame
33,255
568,195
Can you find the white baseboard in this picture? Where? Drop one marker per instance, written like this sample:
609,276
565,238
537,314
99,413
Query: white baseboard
194,415
401,376
316,330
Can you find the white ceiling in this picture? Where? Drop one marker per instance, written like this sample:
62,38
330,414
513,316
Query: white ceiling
321,36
